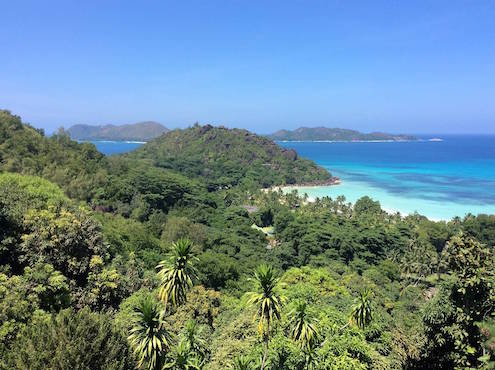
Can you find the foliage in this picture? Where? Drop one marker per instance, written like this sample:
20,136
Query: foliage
465,300
39,289
66,238
193,336
243,363
225,158
149,337
26,150
177,273
80,232
216,270
303,327
183,358
267,300
361,313
70,340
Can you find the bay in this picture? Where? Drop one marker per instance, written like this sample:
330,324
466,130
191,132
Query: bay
438,179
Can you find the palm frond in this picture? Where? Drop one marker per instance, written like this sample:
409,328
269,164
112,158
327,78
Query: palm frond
177,272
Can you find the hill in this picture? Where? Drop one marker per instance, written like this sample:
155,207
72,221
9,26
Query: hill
335,134
229,157
142,131
70,164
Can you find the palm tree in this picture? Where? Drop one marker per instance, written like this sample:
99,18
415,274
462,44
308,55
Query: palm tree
361,313
267,301
310,358
148,336
302,326
193,336
183,358
243,363
177,272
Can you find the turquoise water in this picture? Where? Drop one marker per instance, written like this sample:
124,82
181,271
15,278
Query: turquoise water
440,180
116,147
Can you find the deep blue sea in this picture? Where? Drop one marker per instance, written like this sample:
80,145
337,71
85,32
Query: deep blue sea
440,180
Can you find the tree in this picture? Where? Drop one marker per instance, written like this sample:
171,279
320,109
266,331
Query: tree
216,269
71,340
148,336
267,301
183,358
302,326
22,296
304,331
416,261
467,298
66,238
361,313
177,273
438,234
243,363
193,336
310,359
366,205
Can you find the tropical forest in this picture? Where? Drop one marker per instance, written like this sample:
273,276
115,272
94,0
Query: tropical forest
185,254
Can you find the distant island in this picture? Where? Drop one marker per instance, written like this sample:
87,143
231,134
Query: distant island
335,134
142,131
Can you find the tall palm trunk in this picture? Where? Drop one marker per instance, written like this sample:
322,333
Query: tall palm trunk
267,338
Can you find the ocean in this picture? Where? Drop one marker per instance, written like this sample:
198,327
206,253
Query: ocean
438,179
116,147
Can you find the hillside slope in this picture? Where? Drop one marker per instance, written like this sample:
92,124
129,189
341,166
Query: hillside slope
86,174
142,131
229,157
334,134
77,167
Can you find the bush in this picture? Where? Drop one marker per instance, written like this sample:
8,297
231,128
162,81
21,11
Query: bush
71,340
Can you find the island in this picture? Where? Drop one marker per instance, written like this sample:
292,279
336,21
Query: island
141,131
335,134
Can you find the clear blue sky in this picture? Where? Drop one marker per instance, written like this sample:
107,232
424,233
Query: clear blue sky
398,66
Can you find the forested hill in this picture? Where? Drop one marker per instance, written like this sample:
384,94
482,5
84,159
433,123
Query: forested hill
177,167
227,157
334,134
24,149
142,131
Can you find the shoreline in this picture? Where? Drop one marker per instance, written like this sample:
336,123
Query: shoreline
388,210
333,181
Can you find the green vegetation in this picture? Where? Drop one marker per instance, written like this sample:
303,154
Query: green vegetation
226,158
162,258
334,134
142,131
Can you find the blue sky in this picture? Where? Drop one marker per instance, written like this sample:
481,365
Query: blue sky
398,66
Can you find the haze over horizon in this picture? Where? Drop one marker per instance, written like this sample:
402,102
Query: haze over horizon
422,67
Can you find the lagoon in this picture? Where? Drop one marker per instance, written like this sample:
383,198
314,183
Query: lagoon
438,179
